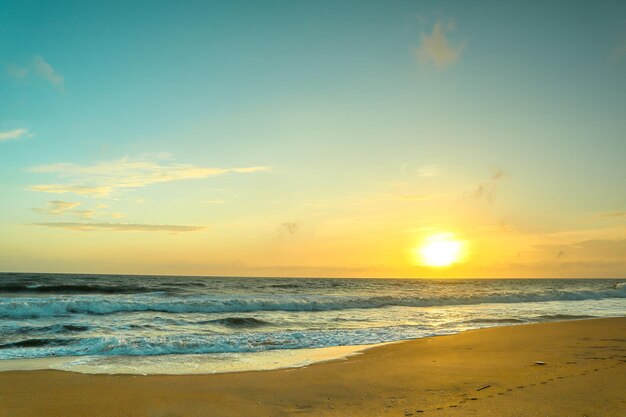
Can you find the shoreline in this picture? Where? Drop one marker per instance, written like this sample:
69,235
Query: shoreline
271,360
476,372
207,364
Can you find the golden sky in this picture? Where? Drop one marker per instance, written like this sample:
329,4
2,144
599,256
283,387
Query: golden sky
343,141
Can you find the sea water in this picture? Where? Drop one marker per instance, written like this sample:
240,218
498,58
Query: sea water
170,325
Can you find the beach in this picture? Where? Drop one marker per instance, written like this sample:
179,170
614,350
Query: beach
569,368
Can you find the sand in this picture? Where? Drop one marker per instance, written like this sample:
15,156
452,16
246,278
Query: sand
489,372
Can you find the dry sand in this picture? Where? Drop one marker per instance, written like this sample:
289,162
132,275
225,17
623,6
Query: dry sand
584,375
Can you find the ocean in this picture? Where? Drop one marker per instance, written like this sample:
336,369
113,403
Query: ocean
170,325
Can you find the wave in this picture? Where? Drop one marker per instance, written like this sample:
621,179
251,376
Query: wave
202,343
73,289
495,321
237,322
30,343
287,286
552,317
55,328
24,307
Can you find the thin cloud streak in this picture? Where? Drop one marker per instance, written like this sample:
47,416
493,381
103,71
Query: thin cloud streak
13,134
72,189
611,215
430,170
421,197
120,227
57,207
15,71
103,179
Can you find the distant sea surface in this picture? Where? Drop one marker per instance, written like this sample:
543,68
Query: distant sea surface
157,324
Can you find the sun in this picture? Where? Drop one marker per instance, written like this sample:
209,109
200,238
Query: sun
440,250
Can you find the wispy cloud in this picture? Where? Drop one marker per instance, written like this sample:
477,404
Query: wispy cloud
486,189
612,215
105,178
437,49
430,170
398,184
421,197
16,71
120,227
85,214
39,67
57,207
619,51
82,190
14,134
606,249
290,227
45,71
214,201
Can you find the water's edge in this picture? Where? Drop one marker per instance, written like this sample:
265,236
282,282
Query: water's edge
216,363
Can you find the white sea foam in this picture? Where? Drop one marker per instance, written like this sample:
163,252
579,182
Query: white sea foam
33,307
113,319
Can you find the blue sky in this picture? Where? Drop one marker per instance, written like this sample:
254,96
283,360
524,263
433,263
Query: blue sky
322,115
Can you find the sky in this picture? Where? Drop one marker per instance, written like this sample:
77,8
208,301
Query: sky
314,139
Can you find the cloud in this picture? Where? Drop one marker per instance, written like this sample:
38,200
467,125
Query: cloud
57,207
120,227
619,52
398,184
214,201
588,250
38,67
16,71
73,189
290,227
430,170
14,134
421,197
85,214
486,189
435,47
612,215
105,178
45,71
497,174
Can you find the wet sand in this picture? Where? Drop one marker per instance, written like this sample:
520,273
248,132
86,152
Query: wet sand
488,372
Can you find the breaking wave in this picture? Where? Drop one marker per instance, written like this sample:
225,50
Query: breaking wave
26,307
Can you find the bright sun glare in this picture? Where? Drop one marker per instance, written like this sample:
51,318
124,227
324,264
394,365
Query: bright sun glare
440,250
